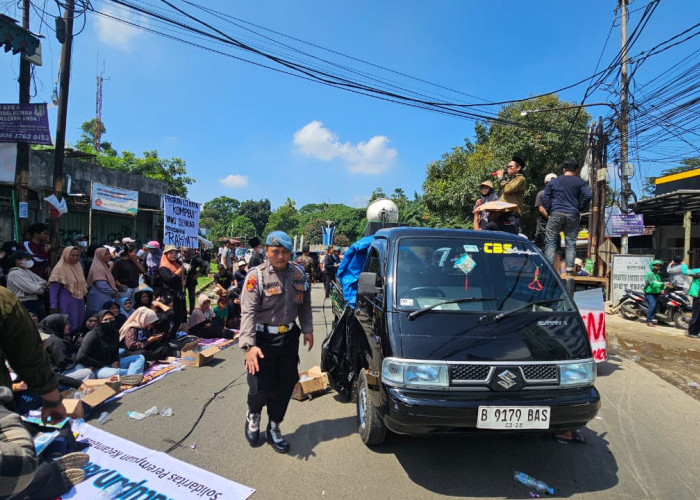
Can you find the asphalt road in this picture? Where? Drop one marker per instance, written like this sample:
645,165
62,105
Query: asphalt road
644,444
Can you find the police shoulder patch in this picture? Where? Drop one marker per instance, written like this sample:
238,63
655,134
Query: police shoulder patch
251,283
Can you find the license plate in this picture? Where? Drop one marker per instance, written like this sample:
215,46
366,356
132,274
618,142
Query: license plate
513,417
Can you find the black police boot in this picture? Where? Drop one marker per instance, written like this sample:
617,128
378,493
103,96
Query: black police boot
252,428
274,437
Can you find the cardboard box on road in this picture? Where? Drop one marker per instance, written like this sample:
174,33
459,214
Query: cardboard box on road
311,382
77,408
194,356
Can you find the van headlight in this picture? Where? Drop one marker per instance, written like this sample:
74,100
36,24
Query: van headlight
419,374
580,373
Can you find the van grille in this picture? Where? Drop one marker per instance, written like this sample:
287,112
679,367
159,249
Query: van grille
474,373
540,372
469,373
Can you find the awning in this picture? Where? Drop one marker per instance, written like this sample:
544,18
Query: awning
668,209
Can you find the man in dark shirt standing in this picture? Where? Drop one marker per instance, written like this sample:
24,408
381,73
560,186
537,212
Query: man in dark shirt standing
564,199
258,254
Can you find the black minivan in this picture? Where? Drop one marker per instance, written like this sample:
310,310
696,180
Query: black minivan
458,330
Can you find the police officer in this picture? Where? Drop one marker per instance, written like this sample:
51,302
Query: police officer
274,294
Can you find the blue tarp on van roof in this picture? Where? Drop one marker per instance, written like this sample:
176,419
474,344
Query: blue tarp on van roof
351,266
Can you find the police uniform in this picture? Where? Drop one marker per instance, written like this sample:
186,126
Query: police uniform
271,301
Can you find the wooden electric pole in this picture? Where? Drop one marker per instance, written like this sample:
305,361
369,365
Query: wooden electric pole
22,165
623,121
62,114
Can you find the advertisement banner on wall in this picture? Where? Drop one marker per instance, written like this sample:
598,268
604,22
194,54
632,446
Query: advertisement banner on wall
181,222
114,199
25,123
628,272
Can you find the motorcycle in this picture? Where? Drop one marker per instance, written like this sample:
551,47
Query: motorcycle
673,307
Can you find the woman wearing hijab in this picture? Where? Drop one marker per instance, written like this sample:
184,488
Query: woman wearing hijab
200,322
172,272
100,352
486,194
113,307
139,338
68,288
59,349
100,282
126,306
79,334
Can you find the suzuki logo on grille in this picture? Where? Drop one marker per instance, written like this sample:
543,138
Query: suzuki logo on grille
507,379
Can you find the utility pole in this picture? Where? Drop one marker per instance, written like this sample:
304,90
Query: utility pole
623,121
62,114
598,182
22,165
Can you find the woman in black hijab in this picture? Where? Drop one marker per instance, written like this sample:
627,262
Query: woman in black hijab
100,351
55,328
486,194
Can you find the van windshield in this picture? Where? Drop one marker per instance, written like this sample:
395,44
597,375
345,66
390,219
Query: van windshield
506,274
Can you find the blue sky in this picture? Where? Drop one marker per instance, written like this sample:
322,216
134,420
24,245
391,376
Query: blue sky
250,133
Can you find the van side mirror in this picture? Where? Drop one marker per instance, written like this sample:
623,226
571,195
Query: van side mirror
367,285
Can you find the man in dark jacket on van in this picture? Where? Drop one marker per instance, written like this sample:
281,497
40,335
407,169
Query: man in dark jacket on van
564,199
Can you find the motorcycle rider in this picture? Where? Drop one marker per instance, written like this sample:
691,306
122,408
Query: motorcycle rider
653,286
694,291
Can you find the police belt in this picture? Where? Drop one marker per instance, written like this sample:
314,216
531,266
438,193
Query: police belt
273,328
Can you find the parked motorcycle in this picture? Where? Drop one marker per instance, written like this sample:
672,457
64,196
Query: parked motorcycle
673,307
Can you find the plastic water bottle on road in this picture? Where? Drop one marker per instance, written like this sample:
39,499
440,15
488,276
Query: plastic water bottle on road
103,417
135,415
533,483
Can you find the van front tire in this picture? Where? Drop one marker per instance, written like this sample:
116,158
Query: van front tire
370,427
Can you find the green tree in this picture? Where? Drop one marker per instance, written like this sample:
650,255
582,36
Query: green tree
242,227
218,215
543,140
283,219
258,212
377,194
172,171
686,164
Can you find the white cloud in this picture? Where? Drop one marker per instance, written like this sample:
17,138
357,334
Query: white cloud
234,181
116,34
371,157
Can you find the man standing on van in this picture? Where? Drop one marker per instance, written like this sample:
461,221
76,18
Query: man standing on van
274,294
564,199
512,191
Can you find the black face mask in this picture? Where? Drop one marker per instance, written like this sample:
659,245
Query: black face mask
109,328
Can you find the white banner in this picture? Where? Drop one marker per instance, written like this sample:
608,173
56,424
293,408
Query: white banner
591,305
181,222
145,473
114,199
628,272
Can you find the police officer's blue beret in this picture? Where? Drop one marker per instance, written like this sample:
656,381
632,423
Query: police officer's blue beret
279,239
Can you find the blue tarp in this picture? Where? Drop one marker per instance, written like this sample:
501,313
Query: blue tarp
350,268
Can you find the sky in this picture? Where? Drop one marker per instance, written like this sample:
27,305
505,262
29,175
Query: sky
250,132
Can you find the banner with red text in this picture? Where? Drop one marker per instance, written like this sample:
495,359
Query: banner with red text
591,305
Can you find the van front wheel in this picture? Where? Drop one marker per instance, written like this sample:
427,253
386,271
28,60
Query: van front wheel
372,430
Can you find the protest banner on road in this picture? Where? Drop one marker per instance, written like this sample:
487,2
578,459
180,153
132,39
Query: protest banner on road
25,123
181,223
114,199
145,473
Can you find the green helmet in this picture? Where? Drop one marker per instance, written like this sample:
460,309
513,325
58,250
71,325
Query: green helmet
656,262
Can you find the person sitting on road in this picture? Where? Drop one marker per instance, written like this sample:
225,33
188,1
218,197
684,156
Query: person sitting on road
126,307
143,296
78,335
113,307
60,351
201,324
137,335
100,352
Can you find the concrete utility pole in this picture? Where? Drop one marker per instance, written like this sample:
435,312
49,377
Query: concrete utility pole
623,120
22,165
62,114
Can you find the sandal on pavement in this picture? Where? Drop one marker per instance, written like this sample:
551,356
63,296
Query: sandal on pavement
576,438
75,476
131,379
74,460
